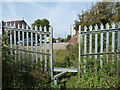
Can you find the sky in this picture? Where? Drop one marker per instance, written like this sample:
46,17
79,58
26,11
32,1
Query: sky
60,14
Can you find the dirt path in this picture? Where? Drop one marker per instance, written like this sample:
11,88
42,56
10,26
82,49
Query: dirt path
56,46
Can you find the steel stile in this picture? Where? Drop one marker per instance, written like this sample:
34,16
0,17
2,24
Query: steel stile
14,42
51,51
41,50
45,45
107,41
27,46
79,48
85,47
11,38
36,43
96,42
31,46
19,43
101,45
23,47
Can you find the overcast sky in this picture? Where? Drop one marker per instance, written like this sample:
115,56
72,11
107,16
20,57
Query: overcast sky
60,14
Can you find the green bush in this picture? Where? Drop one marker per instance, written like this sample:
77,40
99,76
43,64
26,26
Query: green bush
96,77
12,77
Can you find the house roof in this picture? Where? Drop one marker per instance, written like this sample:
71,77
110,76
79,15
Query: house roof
17,21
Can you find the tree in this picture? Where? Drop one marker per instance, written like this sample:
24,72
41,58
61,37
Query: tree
100,13
68,38
42,23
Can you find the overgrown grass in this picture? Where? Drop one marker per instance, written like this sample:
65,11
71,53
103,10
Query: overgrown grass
95,76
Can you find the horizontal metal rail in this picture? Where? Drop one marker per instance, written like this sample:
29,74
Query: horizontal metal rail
27,30
98,31
59,75
99,53
59,69
29,51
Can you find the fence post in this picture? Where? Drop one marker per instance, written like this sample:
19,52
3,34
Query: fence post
2,27
79,38
101,44
96,43
45,47
41,50
2,30
85,47
118,48
51,52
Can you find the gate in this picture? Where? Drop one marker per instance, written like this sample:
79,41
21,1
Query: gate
105,47
23,44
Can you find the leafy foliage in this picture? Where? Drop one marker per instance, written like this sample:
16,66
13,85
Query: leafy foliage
42,23
101,12
12,77
95,77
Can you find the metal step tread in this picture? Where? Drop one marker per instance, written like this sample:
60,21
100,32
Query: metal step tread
59,69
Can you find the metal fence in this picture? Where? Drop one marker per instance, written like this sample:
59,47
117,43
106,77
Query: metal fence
106,44
25,45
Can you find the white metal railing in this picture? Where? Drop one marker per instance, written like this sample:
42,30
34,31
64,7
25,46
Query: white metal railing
18,33
94,50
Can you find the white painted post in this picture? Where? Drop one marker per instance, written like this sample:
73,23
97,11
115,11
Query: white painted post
113,42
19,44
14,41
96,42
7,32
11,39
51,52
107,41
36,29
27,28
31,45
101,44
23,47
90,42
85,47
45,47
79,38
118,47
41,50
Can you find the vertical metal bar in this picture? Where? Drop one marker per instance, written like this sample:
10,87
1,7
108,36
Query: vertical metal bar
1,33
85,47
45,48
11,39
7,32
113,42
2,27
101,45
15,42
55,81
96,42
23,47
32,45
27,28
79,38
51,52
90,41
107,41
36,43
19,44
41,49
118,47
